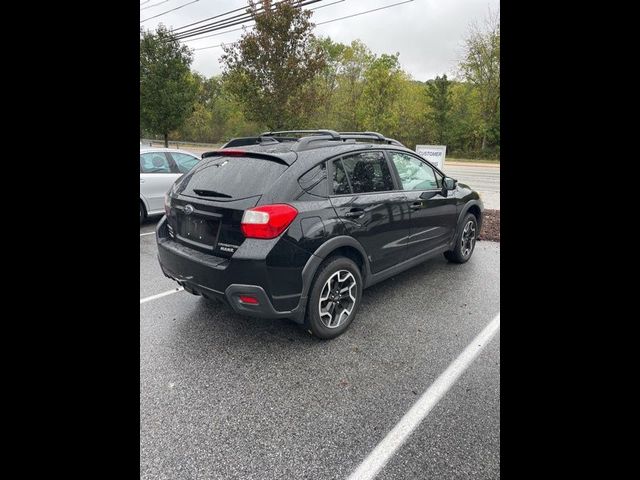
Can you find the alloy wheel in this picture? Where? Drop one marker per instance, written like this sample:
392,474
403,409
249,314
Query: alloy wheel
468,238
337,298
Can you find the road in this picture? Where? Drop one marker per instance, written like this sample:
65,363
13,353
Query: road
225,397
483,178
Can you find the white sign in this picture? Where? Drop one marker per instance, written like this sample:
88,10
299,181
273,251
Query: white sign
433,153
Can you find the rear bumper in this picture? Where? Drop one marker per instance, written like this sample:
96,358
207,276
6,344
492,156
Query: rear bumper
227,279
231,295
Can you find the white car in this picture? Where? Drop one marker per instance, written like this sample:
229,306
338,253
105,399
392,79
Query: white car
159,168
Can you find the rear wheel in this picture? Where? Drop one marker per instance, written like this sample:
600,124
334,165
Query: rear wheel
334,298
143,213
465,241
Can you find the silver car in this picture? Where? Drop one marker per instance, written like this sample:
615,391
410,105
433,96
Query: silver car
159,168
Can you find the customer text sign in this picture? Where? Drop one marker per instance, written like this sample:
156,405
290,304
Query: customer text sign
434,153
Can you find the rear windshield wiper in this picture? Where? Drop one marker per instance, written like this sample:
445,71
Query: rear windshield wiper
211,193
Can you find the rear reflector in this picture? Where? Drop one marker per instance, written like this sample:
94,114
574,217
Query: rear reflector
267,221
248,299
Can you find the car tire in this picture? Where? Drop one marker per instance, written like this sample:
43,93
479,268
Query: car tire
465,240
143,213
333,273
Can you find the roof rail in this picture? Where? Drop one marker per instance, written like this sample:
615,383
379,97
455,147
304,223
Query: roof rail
311,136
369,136
393,141
377,135
332,133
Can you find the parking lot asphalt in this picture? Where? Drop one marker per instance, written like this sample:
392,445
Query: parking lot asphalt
225,396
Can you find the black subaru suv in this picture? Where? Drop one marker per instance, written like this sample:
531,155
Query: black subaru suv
299,223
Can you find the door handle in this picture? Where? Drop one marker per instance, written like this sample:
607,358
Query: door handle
142,180
416,206
354,213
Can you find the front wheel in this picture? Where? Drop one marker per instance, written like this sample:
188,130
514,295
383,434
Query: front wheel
335,297
465,241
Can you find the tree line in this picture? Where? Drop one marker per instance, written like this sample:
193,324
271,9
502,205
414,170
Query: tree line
279,75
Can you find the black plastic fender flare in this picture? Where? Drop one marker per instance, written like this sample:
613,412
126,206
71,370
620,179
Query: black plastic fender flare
465,210
328,247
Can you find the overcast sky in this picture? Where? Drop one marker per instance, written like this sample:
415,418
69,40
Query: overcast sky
427,33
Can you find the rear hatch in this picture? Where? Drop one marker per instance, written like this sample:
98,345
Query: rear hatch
209,201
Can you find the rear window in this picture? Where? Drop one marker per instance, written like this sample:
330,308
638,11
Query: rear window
225,178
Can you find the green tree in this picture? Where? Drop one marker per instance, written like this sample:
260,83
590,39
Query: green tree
271,69
414,107
383,82
481,67
465,135
327,83
167,87
439,96
355,60
341,84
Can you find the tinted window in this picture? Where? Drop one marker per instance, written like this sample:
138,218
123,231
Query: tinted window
368,172
231,177
154,162
414,174
315,180
184,162
340,181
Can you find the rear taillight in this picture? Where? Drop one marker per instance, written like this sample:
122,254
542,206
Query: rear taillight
267,221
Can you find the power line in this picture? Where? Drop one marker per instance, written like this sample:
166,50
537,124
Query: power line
154,5
173,9
210,46
328,21
235,20
242,26
362,13
214,35
327,5
240,17
210,18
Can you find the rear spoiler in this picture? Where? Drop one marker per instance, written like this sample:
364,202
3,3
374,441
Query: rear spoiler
286,159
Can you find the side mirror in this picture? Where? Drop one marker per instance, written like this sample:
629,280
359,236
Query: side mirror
449,183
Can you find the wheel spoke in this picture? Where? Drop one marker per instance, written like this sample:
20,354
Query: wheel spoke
333,309
345,313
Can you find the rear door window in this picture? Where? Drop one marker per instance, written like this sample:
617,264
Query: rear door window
340,181
154,162
226,178
365,172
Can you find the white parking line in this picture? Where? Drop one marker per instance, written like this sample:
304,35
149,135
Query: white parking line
148,233
380,455
160,295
